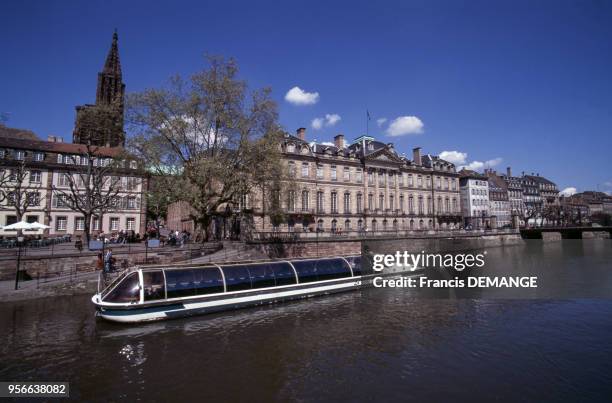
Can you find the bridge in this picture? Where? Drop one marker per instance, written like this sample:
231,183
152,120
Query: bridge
567,232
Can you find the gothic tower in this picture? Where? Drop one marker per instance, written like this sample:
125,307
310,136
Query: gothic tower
102,124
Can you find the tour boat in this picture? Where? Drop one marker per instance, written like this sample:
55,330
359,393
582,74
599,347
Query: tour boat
151,293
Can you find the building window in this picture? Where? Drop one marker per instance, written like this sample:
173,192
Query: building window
38,156
114,223
19,155
79,224
410,180
320,225
64,179
371,202
392,202
381,201
446,183
131,202
333,173
447,203
291,201
381,178
334,202
421,207
360,224
411,204
60,200
292,169
373,225
334,225
130,223
347,174
347,203
319,171
305,170
320,201
437,182
290,148
95,224
370,178
11,219
359,203
419,181
35,176
401,203
359,175
305,200
33,198
61,223
347,225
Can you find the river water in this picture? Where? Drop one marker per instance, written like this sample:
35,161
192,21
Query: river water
391,344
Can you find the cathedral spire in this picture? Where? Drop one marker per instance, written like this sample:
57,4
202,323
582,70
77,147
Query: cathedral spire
102,123
112,64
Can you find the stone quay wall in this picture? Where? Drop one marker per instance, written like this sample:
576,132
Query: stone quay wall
345,247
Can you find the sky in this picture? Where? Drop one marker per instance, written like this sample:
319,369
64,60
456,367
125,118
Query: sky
484,83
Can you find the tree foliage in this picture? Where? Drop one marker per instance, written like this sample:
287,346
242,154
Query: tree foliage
217,140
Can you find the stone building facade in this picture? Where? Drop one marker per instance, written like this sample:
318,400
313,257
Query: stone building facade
499,202
475,199
364,186
47,162
515,192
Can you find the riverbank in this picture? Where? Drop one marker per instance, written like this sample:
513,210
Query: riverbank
83,284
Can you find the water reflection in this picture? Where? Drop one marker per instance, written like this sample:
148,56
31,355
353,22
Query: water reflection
372,343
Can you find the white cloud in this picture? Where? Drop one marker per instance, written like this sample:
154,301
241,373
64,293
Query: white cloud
405,125
479,165
332,119
381,121
568,191
456,157
298,96
317,123
327,143
329,120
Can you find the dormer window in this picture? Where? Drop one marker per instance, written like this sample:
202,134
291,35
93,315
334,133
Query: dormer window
290,148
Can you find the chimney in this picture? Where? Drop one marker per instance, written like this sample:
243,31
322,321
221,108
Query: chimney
416,156
508,172
339,141
301,133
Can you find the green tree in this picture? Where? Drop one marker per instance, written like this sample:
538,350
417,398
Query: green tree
217,140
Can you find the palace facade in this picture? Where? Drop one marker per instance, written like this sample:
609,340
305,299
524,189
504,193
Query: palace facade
363,186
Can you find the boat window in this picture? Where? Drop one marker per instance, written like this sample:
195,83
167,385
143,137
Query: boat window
262,275
154,287
284,273
208,280
237,278
355,262
306,270
128,290
179,283
329,269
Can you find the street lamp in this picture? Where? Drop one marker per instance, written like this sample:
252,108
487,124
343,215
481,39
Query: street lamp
19,242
